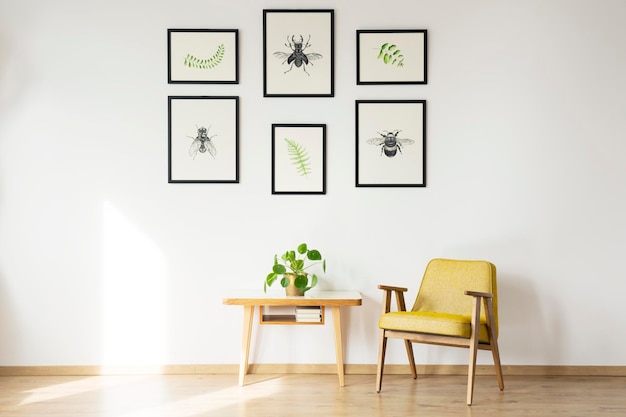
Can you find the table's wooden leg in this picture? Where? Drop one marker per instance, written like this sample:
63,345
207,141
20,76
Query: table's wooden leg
338,345
248,315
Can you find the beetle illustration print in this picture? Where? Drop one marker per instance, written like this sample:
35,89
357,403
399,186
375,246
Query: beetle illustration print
297,56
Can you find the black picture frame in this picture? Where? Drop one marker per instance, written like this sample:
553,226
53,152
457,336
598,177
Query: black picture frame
392,56
203,56
203,139
298,53
298,159
390,143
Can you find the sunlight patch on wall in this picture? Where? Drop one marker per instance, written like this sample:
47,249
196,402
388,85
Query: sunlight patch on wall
134,299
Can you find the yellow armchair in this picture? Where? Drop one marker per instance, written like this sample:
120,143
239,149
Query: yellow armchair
447,311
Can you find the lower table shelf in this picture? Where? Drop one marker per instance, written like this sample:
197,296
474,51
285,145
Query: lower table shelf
267,317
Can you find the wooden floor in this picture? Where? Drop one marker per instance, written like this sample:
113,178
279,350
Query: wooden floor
301,395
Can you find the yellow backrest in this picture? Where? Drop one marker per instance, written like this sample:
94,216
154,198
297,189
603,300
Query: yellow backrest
445,282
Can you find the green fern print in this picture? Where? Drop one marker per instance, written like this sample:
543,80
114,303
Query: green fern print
299,157
194,62
390,54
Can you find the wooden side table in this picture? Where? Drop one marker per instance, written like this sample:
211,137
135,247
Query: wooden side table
331,299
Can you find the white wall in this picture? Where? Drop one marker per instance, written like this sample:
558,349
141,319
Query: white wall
103,262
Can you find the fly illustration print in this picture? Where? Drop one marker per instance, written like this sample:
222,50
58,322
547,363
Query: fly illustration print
389,142
297,56
202,142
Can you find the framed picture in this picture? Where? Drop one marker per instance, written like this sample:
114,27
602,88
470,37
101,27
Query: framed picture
298,159
203,141
298,53
390,143
391,57
202,56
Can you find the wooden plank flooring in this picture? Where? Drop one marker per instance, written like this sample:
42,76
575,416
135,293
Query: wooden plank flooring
298,395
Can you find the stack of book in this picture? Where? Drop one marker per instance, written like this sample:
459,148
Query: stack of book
309,314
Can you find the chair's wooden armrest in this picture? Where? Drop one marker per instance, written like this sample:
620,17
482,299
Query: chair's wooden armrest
390,288
479,294
399,291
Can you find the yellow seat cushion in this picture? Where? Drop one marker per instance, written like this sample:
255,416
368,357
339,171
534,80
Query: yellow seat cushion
432,323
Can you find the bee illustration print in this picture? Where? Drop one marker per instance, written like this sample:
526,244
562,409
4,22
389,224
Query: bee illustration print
202,142
297,56
390,143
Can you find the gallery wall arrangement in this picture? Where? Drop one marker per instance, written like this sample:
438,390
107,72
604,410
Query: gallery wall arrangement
298,61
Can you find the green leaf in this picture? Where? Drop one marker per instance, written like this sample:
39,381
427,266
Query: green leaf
284,282
299,158
392,47
210,63
269,280
314,255
324,265
313,281
302,248
301,281
279,269
298,264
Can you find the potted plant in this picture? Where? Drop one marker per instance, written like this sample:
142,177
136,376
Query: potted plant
292,266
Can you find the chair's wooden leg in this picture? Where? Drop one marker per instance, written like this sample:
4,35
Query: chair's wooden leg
409,353
496,362
473,349
382,347
494,344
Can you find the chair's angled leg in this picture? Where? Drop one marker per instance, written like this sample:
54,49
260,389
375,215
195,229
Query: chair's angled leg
473,349
496,362
407,343
493,340
382,347
409,353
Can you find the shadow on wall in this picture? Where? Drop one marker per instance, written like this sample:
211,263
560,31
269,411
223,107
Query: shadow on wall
12,75
9,330
530,324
